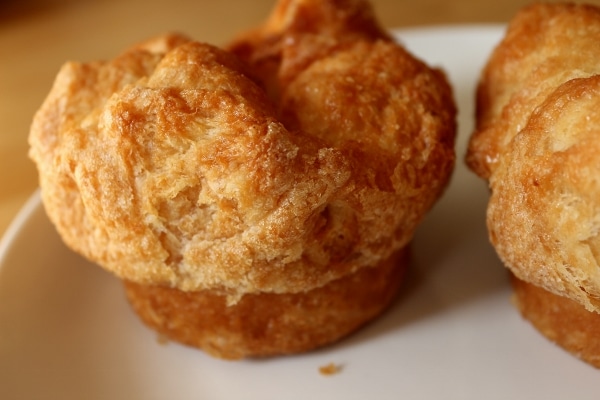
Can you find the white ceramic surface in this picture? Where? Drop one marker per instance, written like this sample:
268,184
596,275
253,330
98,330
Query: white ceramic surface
66,331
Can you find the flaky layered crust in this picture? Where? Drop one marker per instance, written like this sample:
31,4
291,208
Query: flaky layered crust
538,143
545,46
177,164
560,319
268,324
544,211
184,176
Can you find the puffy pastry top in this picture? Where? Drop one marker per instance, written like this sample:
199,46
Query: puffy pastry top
545,45
176,164
538,143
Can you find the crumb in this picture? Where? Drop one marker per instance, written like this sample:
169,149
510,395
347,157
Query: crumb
162,340
330,369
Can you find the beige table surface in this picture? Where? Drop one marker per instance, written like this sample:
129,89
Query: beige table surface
37,36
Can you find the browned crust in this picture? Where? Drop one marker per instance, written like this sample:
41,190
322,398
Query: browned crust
562,320
170,164
545,45
536,143
269,324
538,102
255,200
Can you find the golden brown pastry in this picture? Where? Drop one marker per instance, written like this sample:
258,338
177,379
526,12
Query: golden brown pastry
188,172
537,142
336,76
545,45
180,173
560,319
269,324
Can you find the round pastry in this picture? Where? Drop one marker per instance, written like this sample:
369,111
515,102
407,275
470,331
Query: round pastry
538,145
181,169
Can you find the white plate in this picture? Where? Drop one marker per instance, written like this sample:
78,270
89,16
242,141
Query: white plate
66,331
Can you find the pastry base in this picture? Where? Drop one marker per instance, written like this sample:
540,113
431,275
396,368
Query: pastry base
562,320
266,324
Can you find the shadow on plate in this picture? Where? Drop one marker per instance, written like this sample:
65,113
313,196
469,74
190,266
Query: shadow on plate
452,265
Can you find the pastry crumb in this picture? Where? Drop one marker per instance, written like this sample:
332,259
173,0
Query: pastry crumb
330,369
163,340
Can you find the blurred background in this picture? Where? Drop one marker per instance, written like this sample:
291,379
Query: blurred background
37,36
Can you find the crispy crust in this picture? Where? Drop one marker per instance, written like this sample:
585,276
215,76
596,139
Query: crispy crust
538,103
267,324
171,165
257,200
562,320
545,45
536,142
544,210
300,32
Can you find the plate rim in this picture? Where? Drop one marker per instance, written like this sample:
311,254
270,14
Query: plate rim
16,225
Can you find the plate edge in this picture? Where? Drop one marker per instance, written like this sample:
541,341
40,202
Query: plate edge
15,226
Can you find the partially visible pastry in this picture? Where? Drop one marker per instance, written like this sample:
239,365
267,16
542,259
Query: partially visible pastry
250,213
544,46
537,143
560,319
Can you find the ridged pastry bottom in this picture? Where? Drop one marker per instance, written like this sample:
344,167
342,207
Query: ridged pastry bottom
267,324
560,319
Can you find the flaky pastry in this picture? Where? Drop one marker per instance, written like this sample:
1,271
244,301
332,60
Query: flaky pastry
537,143
303,155
544,46
168,165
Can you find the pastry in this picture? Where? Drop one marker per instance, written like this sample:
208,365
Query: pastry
285,173
537,143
